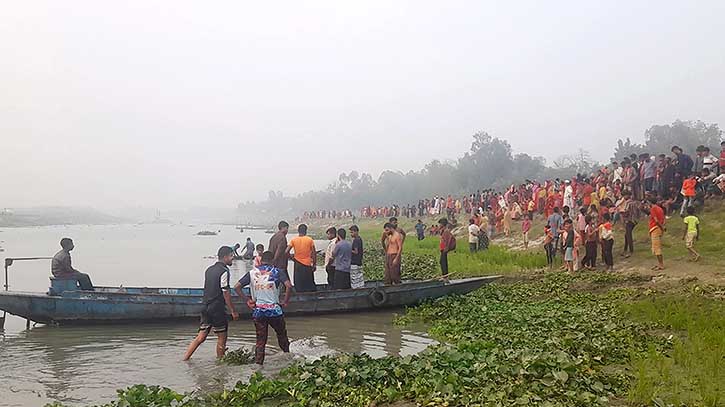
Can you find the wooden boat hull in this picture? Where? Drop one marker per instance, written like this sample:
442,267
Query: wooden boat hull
124,305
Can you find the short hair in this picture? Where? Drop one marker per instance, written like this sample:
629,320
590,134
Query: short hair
443,222
653,200
342,233
588,219
354,228
393,219
267,257
706,149
331,229
471,221
556,209
259,246
249,238
224,251
690,210
568,221
607,216
675,148
388,226
302,229
66,242
282,224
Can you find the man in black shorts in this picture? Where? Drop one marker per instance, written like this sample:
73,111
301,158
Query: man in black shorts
217,295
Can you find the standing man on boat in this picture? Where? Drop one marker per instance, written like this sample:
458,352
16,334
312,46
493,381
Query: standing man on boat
393,247
278,247
305,260
342,257
393,221
216,297
357,280
264,283
448,244
61,267
329,265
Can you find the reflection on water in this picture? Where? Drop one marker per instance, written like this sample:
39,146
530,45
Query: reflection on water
87,364
80,365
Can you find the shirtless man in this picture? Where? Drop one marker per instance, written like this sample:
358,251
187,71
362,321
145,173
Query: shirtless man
393,245
393,221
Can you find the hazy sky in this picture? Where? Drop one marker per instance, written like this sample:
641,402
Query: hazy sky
172,104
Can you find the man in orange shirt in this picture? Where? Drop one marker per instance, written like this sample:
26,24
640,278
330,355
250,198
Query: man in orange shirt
393,252
305,260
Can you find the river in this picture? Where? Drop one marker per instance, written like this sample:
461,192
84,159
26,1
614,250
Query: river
82,365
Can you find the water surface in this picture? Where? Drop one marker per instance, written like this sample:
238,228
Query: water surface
81,365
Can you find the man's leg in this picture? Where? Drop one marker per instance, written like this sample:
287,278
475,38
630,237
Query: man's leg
330,269
261,328
280,328
444,263
200,338
221,344
84,281
387,278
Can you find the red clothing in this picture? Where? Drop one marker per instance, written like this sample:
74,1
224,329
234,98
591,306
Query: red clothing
722,161
587,194
656,215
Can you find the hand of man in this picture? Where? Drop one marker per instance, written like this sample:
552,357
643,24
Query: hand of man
251,303
235,316
285,304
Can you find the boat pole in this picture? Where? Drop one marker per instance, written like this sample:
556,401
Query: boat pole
8,262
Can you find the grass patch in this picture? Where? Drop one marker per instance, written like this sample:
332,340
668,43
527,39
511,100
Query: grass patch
693,371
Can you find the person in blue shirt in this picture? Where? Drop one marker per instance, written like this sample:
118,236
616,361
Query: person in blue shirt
264,285
420,229
342,259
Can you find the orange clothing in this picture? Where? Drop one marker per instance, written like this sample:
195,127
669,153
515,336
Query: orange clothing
688,187
304,248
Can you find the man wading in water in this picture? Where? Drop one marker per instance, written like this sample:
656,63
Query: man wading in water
216,296
264,283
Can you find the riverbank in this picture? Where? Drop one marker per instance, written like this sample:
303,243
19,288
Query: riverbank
540,337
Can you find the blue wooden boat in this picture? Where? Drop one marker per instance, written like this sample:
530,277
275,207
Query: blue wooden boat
66,304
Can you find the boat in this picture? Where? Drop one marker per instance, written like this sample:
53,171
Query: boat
65,304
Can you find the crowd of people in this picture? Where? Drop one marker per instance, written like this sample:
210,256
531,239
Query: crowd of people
580,214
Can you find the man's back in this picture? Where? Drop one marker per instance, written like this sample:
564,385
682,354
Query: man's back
61,264
278,245
343,255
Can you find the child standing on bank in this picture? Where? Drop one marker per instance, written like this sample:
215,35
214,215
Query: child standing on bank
692,232
549,246
606,236
525,228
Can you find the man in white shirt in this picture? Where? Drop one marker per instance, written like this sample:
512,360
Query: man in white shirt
329,266
473,232
569,195
617,173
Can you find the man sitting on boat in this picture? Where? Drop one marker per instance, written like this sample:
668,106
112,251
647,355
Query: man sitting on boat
61,267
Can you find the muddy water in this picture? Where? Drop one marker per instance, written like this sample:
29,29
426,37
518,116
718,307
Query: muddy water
81,365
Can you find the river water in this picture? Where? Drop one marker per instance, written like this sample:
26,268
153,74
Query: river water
82,365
